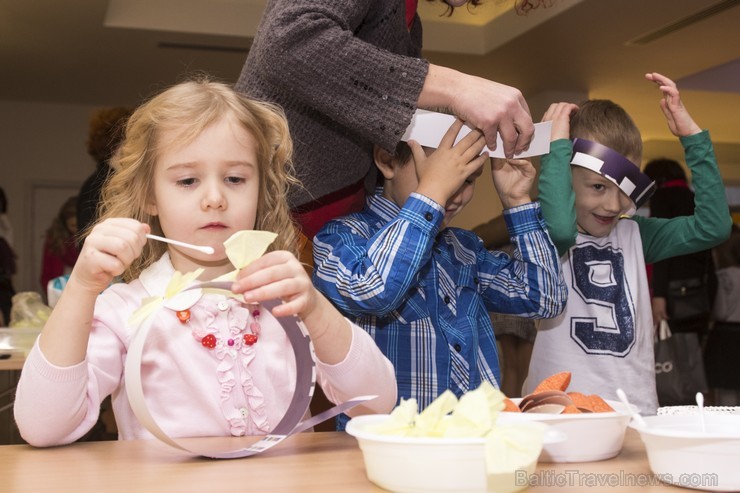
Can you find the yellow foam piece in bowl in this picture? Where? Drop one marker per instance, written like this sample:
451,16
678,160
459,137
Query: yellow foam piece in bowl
474,415
509,448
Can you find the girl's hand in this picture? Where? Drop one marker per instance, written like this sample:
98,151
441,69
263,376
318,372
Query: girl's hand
560,114
107,252
679,120
513,179
441,174
278,275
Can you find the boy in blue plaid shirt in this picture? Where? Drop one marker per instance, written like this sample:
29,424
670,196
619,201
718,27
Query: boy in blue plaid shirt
423,290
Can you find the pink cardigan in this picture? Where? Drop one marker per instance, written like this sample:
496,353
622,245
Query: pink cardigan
191,390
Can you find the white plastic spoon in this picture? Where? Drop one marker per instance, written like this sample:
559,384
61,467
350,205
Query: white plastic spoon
635,415
700,405
204,249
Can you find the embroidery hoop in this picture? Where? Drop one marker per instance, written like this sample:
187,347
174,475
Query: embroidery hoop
290,424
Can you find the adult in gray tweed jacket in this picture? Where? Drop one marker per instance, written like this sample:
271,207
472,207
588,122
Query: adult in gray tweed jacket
349,74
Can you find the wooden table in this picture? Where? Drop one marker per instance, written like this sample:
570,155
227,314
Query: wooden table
325,462
10,372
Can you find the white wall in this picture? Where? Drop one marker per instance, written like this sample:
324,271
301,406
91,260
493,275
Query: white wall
44,160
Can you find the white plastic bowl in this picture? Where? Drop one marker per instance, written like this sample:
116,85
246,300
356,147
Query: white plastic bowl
589,436
426,465
680,453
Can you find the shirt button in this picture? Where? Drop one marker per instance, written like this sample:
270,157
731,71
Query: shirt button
223,305
458,348
428,216
475,280
244,412
447,300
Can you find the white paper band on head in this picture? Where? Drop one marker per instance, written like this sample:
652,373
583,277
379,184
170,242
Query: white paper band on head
290,424
615,167
428,127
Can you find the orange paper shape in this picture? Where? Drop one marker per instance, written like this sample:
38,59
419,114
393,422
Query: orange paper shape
510,406
558,381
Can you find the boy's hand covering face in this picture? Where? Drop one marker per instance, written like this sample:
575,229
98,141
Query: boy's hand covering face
513,179
441,174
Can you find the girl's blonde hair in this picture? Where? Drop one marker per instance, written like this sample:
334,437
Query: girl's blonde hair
191,107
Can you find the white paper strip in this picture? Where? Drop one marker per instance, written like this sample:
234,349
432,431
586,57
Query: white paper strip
428,127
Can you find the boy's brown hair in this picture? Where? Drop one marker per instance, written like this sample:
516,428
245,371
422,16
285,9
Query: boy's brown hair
605,122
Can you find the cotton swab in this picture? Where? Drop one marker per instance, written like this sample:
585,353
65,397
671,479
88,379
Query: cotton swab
204,249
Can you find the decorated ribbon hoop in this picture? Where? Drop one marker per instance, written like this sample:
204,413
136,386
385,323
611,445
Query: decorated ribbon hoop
290,424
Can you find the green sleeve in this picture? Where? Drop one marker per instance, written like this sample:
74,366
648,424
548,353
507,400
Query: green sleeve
711,222
556,197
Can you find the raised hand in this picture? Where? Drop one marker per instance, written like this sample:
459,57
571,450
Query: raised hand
513,179
560,114
679,120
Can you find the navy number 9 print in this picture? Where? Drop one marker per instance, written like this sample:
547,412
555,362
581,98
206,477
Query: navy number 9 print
598,278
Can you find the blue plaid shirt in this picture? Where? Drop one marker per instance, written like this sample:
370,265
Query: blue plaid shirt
424,295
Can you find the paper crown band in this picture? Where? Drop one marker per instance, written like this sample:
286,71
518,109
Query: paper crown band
615,167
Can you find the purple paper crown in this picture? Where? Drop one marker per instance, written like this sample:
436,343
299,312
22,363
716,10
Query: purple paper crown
609,163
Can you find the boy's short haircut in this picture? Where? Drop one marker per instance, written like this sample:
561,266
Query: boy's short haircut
605,122
402,154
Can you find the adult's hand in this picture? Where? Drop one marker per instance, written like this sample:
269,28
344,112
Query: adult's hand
489,106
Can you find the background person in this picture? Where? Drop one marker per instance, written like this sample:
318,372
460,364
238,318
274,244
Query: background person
60,244
674,198
106,130
7,261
